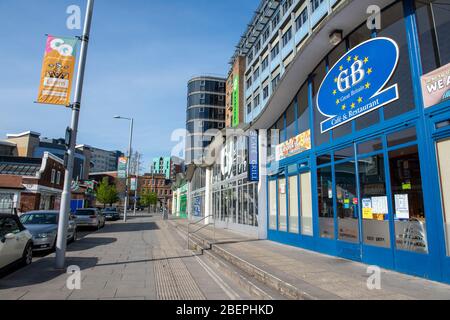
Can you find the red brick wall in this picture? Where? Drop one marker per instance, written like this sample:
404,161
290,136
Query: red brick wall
29,201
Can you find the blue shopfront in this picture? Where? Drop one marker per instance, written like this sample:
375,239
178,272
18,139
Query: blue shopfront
360,159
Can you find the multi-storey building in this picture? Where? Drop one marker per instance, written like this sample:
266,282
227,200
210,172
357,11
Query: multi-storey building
104,160
31,144
205,111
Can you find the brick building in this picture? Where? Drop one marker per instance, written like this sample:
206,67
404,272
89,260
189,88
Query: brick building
31,183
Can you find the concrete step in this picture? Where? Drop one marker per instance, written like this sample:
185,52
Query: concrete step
256,289
250,272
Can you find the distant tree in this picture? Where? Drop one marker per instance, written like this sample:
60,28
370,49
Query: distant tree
106,193
149,199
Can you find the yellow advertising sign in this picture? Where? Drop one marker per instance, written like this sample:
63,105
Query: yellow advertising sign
294,146
57,71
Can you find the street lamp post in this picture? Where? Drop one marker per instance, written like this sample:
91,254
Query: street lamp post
128,164
61,241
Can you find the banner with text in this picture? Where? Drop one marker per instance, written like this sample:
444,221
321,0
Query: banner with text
436,86
57,71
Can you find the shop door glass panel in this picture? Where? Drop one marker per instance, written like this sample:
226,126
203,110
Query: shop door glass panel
306,204
374,201
407,199
325,202
443,149
347,202
293,204
273,205
282,212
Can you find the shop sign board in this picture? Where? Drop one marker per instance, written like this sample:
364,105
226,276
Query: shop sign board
436,86
253,163
293,146
356,84
235,101
122,168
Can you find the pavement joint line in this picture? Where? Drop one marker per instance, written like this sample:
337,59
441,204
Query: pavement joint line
227,289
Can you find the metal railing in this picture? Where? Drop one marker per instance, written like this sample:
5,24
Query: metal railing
189,232
9,208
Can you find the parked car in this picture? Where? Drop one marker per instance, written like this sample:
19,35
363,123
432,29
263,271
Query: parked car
43,225
111,214
16,242
89,218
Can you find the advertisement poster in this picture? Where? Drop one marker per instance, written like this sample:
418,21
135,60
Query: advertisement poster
122,168
436,86
294,146
57,71
133,184
367,209
401,206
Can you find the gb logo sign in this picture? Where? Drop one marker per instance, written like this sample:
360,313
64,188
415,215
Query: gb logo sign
356,83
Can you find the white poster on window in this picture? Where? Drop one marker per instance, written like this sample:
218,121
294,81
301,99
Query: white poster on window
401,206
380,205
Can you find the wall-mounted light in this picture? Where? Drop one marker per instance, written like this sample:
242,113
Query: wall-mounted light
336,37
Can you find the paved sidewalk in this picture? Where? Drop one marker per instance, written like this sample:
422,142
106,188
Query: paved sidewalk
322,276
144,258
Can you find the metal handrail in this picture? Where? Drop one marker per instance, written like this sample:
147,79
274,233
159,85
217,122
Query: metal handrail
206,225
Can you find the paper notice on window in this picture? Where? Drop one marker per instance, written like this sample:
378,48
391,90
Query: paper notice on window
367,209
380,205
401,206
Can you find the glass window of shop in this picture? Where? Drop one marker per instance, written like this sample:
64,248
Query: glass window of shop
273,205
318,76
407,199
393,26
433,22
281,129
325,202
291,129
373,194
306,219
293,204
282,210
303,109
443,155
347,201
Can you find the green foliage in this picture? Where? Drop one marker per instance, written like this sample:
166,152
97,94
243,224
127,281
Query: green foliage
106,193
149,199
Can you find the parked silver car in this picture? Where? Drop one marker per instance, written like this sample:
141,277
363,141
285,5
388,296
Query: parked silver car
89,218
43,225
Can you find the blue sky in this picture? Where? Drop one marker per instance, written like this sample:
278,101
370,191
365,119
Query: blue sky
141,55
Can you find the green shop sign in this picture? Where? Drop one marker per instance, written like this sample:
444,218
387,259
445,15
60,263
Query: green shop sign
235,101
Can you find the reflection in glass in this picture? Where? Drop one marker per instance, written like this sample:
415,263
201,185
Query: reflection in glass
374,201
325,201
293,204
402,137
347,202
407,197
282,212
273,205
